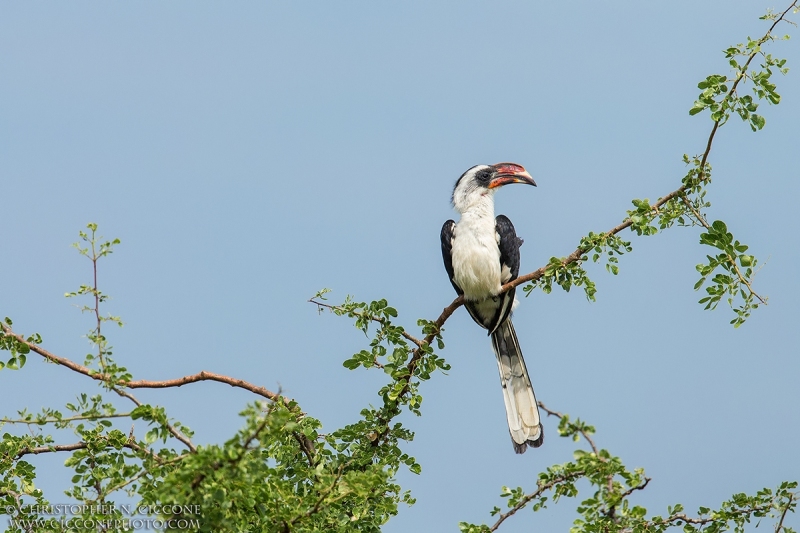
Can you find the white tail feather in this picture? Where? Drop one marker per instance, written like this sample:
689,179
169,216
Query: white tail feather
521,408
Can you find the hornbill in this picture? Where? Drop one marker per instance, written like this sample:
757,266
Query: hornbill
481,253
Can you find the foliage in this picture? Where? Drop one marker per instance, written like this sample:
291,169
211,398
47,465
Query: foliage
280,473
720,96
608,506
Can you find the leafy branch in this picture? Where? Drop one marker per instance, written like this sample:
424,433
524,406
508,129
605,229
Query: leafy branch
611,484
683,205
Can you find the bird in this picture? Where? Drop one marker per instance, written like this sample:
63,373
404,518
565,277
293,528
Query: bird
481,253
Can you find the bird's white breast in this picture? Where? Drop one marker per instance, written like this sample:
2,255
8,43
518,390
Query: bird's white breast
476,257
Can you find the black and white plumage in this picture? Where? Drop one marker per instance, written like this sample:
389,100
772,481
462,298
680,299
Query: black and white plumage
481,253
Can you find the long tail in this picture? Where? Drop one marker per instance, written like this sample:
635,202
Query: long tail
521,408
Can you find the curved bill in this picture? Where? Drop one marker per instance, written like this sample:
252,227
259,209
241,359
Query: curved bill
510,173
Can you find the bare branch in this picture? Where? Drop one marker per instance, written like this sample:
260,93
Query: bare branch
205,375
144,384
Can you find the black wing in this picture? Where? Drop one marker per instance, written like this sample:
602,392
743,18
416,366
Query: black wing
509,244
447,248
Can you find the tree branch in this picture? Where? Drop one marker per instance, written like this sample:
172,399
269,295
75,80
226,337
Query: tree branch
583,432
216,465
131,445
637,487
779,525
173,431
144,384
377,319
48,449
324,495
703,222
205,375
532,496
40,422
305,444
681,517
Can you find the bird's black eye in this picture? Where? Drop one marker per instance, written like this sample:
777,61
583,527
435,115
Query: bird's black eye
484,176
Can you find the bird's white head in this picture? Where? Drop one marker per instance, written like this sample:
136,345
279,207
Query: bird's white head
478,184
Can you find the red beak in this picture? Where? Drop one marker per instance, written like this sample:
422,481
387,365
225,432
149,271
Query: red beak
510,173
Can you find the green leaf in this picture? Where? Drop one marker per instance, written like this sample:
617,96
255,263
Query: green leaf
719,226
351,364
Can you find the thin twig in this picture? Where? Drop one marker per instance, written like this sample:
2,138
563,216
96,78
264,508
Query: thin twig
127,482
82,446
691,520
703,222
100,341
40,422
783,514
306,445
532,496
173,431
631,490
324,495
586,436
378,319
216,465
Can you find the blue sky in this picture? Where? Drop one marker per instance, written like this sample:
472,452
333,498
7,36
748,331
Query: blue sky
248,154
